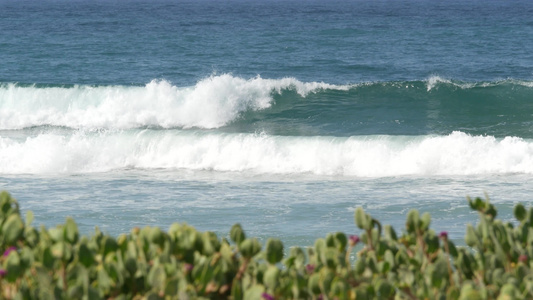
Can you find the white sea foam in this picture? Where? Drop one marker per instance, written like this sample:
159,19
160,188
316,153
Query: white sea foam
434,81
370,156
211,103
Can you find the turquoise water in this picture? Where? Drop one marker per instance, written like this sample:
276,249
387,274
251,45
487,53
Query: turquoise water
281,115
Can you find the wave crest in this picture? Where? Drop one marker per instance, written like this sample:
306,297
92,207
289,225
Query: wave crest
211,103
433,82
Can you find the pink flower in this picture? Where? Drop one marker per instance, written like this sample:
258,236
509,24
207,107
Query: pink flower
189,267
310,268
267,296
443,235
3,272
354,239
523,258
8,250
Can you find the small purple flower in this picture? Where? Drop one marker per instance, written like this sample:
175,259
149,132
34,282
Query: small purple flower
320,297
310,268
3,272
8,250
267,296
443,235
354,239
523,258
189,267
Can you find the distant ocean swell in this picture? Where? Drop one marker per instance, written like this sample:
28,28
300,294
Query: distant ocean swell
217,101
363,156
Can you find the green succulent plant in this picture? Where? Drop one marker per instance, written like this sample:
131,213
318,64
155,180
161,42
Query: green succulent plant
182,263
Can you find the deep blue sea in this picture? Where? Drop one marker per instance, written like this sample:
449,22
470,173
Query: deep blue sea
283,116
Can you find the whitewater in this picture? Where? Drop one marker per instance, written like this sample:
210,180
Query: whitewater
211,103
366,156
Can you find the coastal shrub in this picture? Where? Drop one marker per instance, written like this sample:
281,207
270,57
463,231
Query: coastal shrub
183,263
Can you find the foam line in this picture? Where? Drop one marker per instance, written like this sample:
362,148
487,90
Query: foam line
369,156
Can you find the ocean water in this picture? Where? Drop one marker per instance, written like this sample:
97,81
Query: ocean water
283,116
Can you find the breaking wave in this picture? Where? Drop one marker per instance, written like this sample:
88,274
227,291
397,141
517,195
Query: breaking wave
364,156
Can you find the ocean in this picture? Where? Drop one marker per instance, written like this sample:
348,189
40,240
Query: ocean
283,116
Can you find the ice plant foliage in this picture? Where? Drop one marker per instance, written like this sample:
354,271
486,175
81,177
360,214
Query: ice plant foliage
183,263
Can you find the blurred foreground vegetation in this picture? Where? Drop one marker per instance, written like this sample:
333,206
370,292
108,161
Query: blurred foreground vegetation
182,263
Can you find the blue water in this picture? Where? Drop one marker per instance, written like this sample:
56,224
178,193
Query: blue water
281,115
